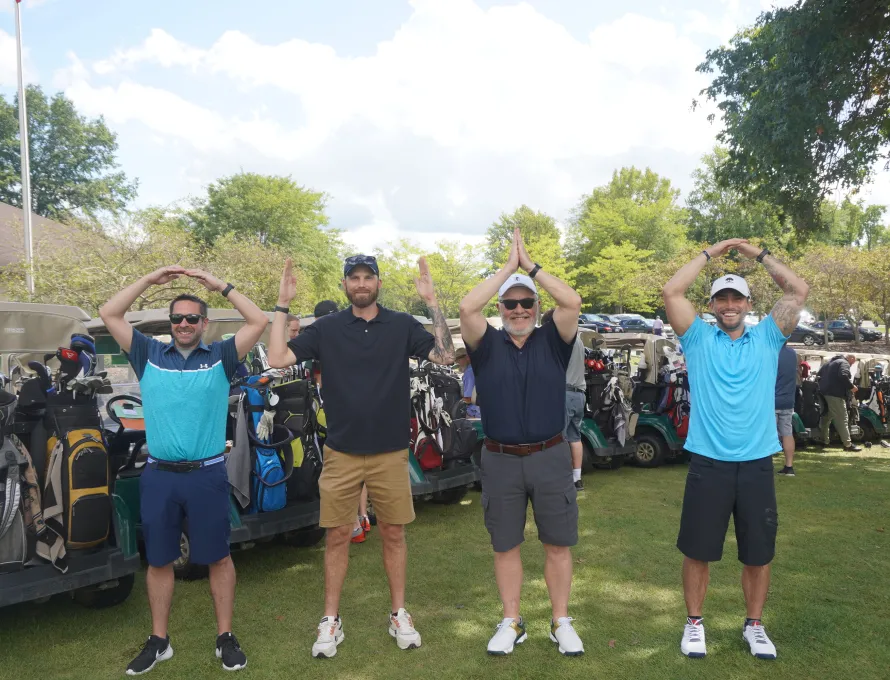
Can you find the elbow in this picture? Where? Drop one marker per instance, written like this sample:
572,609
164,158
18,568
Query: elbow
466,309
275,361
574,304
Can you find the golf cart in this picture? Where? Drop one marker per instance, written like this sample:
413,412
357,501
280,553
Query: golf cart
607,427
873,384
443,440
297,522
91,554
661,403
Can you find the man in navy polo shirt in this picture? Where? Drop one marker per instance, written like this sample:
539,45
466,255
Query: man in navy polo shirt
520,387
185,391
364,351
732,433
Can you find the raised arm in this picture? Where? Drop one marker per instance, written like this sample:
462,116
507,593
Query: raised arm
786,312
112,312
255,318
680,311
568,302
278,353
472,322
443,351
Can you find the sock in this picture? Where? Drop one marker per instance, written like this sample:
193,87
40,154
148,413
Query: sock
576,475
694,619
751,622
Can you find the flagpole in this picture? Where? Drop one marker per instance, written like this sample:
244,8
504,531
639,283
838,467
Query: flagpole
26,164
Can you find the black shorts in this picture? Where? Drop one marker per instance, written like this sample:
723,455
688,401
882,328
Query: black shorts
716,489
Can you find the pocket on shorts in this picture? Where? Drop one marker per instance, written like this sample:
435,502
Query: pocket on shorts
487,513
572,507
771,520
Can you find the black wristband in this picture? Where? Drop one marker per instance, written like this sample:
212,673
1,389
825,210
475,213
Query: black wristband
228,289
763,254
534,271
279,308
707,255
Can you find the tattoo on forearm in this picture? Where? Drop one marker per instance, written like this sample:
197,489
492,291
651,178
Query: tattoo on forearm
774,266
443,352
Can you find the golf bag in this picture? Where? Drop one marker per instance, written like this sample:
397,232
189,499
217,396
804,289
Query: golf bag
13,543
428,419
458,440
448,387
808,403
296,410
270,469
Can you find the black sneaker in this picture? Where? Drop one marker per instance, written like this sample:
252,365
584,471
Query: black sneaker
155,649
579,485
853,447
228,649
787,471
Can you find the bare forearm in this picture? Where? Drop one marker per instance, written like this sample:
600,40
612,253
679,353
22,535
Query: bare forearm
787,280
277,351
685,277
443,352
475,301
118,305
252,314
563,294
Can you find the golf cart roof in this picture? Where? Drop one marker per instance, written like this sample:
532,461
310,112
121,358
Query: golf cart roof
653,351
157,322
28,327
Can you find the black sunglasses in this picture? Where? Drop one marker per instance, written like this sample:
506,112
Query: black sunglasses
527,303
193,319
360,259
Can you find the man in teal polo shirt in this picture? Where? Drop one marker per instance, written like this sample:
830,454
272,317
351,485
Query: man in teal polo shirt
185,391
732,433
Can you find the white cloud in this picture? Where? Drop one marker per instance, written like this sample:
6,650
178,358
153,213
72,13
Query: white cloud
9,65
461,114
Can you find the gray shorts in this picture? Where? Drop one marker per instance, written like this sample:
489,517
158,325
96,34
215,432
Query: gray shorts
783,421
545,477
574,415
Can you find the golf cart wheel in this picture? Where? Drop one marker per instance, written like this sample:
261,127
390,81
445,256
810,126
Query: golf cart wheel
99,597
809,340
450,496
183,567
304,538
866,432
650,450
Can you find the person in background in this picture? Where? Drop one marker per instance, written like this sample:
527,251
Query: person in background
468,383
786,389
658,325
293,326
835,383
576,398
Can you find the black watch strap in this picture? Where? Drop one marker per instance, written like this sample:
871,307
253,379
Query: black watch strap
228,289
707,255
279,308
763,254
534,271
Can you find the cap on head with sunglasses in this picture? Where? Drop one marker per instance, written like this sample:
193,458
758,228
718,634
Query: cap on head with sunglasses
354,261
517,280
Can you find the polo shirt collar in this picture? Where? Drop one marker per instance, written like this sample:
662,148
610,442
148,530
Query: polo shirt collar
201,346
720,332
384,315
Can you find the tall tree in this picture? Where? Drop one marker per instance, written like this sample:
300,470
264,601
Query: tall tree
621,278
853,223
804,96
274,211
73,164
717,212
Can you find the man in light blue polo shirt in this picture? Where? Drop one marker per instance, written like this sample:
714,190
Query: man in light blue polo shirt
732,433
185,391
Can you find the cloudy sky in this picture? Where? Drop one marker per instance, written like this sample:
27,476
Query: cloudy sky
420,118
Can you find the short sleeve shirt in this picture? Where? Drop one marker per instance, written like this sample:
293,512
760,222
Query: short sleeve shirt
732,391
364,371
184,400
521,391
469,383
786,379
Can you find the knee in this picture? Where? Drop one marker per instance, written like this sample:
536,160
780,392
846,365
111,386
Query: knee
557,552
392,534
223,563
338,536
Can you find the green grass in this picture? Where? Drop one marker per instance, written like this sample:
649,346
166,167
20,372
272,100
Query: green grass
828,611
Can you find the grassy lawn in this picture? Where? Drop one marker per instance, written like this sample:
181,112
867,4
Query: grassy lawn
827,612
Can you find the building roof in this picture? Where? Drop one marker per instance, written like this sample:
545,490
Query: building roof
12,245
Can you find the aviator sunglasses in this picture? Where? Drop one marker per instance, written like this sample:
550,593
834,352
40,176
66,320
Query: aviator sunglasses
193,319
527,303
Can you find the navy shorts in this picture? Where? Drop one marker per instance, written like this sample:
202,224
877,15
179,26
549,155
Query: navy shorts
169,499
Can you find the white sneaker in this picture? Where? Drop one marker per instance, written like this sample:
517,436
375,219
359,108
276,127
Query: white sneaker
401,627
761,646
563,634
693,642
330,634
509,632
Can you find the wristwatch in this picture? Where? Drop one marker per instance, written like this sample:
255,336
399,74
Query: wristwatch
534,271
279,308
228,289
763,254
707,255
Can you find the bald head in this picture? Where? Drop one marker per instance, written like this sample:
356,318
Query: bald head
851,359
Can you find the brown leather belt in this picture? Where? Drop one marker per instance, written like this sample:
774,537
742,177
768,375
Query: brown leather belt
522,449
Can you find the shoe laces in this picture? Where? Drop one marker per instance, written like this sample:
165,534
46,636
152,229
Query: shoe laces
326,629
229,642
694,632
759,634
403,622
565,623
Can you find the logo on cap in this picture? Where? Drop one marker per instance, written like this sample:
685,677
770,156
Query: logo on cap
729,279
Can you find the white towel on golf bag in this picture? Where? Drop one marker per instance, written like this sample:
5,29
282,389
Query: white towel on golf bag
238,460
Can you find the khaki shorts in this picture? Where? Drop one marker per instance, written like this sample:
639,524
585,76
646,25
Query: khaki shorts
386,476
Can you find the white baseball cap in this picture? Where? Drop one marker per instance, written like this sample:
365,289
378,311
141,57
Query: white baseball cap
517,280
733,282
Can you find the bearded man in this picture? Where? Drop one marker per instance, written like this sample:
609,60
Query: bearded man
364,352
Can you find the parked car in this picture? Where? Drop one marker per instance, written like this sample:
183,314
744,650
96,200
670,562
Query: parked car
809,336
636,325
597,322
843,331
622,317
709,319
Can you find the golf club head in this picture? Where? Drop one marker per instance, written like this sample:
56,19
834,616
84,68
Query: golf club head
43,374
